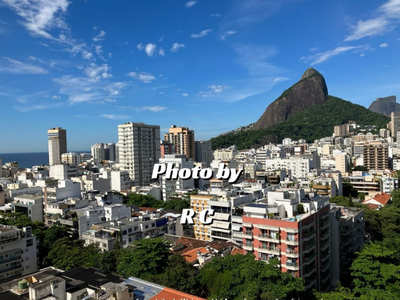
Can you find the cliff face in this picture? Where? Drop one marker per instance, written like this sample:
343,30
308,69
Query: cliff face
310,90
385,105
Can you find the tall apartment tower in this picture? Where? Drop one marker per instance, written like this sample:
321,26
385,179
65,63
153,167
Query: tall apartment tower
394,123
183,139
204,152
98,152
57,144
376,156
138,150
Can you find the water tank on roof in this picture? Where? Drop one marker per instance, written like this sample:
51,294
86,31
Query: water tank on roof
23,284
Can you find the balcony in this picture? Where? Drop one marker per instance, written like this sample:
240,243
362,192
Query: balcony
268,238
308,236
292,253
324,245
325,266
309,225
248,235
269,250
248,247
293,266
324,224
308,248
291,241
310,284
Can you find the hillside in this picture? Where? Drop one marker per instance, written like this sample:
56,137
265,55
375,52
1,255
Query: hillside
310,90
312,123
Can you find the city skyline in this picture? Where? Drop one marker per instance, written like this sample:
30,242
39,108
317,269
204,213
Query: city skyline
208,66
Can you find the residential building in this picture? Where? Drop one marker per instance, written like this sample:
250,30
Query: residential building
98,152
203,152
183,140
376,156
57,144
294,229
169,186
71,158
225,154
18,254
394,123
166,148
347,237
377,201
63,171
110,152
138,150
120,181
30,205
341,162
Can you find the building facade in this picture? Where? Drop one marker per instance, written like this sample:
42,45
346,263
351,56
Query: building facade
138,150
57,144
183,140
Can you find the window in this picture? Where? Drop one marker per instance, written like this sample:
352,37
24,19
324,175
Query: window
29,243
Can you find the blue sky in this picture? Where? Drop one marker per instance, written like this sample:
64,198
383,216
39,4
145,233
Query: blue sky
213,66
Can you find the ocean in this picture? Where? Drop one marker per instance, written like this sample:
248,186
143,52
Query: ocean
27,160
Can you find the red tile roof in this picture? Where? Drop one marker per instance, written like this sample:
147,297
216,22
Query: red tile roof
191,256
170,294
237,251
382,198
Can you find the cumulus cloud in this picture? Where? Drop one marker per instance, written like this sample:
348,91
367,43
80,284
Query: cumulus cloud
150,49
154,108
144,77
95,72
384,45
176,47
201,33
161,52
226,34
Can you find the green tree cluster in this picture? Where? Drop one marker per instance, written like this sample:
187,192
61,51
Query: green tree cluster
139,200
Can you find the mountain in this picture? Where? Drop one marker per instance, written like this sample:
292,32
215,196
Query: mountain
385,105
319,114
310,90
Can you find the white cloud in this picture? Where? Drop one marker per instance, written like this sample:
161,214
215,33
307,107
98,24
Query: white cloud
150,49
86,55
140,46
185,94
154,108
98,50
384,45
100,36
321,57
114,88
190,3
161,39
161,52
176,47
40,16
219,88
201,34
144,77
56,97
369,27
114,117
215,15
386,18
362,55
95,72
228,33
12,66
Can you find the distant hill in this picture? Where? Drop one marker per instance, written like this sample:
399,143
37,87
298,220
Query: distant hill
313,122
385,105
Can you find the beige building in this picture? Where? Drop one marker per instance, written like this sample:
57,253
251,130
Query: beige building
183,140
341,163
376,156
394,123
57,144
199,203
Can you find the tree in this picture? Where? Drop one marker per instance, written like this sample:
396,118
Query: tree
147,257
376,269
241,276
350,203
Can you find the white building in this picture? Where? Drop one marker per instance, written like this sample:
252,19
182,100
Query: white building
18,254
138,150
31,205
298,167
169,186
120,181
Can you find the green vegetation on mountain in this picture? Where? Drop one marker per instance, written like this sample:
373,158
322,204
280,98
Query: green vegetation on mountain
314,122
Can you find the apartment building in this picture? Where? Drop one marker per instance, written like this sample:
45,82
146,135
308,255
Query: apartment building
106,234
293,229
203,152
183,140
18,255
57,140
170,186
376,156
297,167
30,205
138,150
